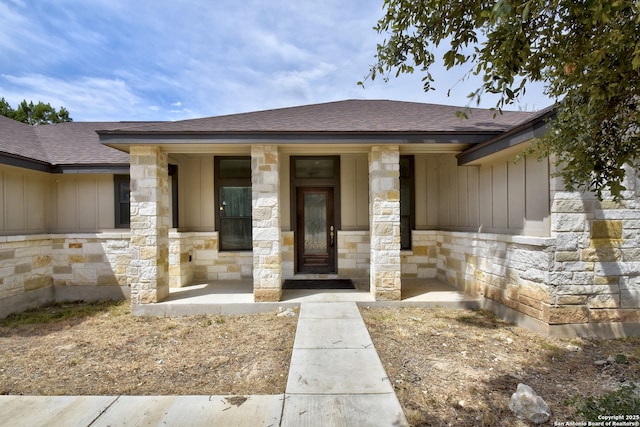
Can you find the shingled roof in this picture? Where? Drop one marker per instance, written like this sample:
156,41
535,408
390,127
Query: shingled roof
55,147
77,143
73,144
19,139
350,116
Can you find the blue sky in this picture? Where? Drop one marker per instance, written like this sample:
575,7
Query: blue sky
178,59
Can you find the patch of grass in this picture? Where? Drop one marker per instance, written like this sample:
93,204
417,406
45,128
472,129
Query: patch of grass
481,318
381,315
624,401
60,312
552,351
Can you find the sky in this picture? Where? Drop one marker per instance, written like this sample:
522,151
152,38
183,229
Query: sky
113,60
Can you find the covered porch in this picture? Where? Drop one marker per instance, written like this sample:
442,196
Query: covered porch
236,297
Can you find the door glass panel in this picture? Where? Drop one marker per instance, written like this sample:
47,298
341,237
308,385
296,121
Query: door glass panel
315,223
235,218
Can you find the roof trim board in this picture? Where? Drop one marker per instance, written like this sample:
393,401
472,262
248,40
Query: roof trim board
534,128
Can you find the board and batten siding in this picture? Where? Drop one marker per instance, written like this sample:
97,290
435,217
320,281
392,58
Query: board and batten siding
196,193
24,201
498,196
37,202
354,191
85,203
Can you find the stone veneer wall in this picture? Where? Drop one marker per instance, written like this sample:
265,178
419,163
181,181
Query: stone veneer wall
265,210
91,260
421,261
149,267
354,255
384,211
40,269
511,270
181,271
584,280
287,251
26,264
596,269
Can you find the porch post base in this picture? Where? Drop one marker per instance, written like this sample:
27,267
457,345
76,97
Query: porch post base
267,295
387,295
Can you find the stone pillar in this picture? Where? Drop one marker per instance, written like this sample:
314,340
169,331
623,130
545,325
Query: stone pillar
384,212
150,208
267,258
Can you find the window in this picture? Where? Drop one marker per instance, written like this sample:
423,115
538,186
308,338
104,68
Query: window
406,201
233,199
122,201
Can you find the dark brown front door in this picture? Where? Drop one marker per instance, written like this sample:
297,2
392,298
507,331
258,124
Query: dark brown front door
316,234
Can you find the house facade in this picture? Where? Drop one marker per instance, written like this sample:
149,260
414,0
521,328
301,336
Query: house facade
374,191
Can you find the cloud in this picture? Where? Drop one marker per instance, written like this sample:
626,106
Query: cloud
173,59
85,98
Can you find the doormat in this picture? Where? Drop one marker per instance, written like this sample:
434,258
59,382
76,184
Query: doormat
318,284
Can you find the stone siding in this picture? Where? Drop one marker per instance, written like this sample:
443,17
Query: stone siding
91,259
384,199
354,256
149,267
40,269
288,255
26,264
510,270
596,270
265,189
421,262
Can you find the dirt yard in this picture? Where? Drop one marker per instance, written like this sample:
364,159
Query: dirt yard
449,367
460,367
103,350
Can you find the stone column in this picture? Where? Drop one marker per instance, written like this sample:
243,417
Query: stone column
149,267
267,258
384,212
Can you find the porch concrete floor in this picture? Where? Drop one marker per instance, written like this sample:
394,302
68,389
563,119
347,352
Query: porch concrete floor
236,297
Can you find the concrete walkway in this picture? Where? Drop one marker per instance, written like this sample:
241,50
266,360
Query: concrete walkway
335,379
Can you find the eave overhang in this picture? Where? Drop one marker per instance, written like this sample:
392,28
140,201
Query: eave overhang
527,131
123,140
40,166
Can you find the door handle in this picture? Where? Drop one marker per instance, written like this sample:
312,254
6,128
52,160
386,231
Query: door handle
331,235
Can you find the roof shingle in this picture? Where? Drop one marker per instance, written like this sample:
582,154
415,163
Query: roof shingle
350,116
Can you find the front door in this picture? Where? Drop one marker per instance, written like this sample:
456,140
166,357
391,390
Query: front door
316,234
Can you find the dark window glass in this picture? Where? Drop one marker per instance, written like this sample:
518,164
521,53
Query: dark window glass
234,168
314,168
406,201
122,201
233,197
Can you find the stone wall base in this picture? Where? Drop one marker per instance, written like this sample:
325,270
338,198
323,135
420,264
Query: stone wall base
53,294
267,295
609,330
91,293
26,301
390,295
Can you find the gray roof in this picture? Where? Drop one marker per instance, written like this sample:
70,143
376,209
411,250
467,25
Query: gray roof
350,116
61,144
77,144
20,139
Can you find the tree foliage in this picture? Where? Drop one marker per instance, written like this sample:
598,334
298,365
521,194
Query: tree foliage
587,53
34,114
